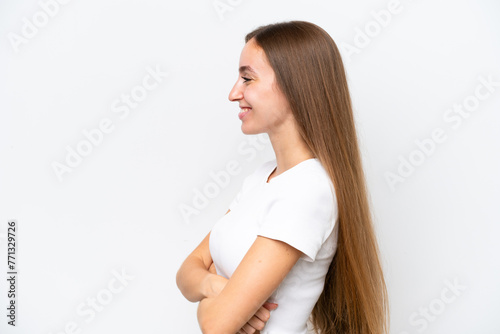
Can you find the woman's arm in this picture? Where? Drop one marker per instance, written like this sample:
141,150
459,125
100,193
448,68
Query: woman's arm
212,285
193,276
205,283
262,269
197,278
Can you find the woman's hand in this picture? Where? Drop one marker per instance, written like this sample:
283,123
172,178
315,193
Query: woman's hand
214,283
212,269
258,321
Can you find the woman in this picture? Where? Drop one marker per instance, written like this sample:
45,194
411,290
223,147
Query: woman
297,243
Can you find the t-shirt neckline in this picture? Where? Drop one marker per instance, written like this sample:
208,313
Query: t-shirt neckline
275,164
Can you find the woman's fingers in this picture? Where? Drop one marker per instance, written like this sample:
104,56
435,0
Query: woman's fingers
262,314
258,321
270,306
248,329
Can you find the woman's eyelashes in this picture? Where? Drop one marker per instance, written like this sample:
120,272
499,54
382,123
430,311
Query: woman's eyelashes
245,79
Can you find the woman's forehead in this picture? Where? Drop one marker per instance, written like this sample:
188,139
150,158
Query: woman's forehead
253,59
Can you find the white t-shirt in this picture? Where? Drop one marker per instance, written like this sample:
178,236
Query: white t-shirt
298,207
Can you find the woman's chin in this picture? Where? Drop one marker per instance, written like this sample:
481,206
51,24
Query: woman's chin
248,130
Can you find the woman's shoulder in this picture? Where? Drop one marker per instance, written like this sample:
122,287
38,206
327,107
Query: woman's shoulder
263,169
310,180
311,175
257,174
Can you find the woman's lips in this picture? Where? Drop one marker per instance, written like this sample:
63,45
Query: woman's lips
243,112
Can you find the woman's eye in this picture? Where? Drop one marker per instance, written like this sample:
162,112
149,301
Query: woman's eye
245,79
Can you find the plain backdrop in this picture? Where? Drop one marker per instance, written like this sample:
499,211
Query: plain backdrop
101,235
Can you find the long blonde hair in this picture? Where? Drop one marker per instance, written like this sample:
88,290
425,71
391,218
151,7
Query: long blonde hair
310,72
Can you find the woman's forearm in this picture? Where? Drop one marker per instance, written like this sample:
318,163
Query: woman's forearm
193,279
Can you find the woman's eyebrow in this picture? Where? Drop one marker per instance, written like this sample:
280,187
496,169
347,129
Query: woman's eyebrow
248,69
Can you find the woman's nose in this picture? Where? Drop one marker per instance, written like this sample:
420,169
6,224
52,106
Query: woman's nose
235,94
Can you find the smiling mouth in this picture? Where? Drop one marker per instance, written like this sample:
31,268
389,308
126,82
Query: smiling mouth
243,112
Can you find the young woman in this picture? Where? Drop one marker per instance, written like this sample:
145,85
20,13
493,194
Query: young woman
297,243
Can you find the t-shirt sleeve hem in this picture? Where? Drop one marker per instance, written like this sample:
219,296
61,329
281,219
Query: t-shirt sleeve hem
308,250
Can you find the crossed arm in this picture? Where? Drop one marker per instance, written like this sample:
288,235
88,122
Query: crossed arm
260,272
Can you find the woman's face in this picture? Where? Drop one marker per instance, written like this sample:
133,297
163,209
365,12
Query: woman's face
264,107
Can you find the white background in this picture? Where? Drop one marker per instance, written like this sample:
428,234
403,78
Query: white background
119,209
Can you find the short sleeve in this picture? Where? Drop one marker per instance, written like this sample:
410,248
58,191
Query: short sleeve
303,216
